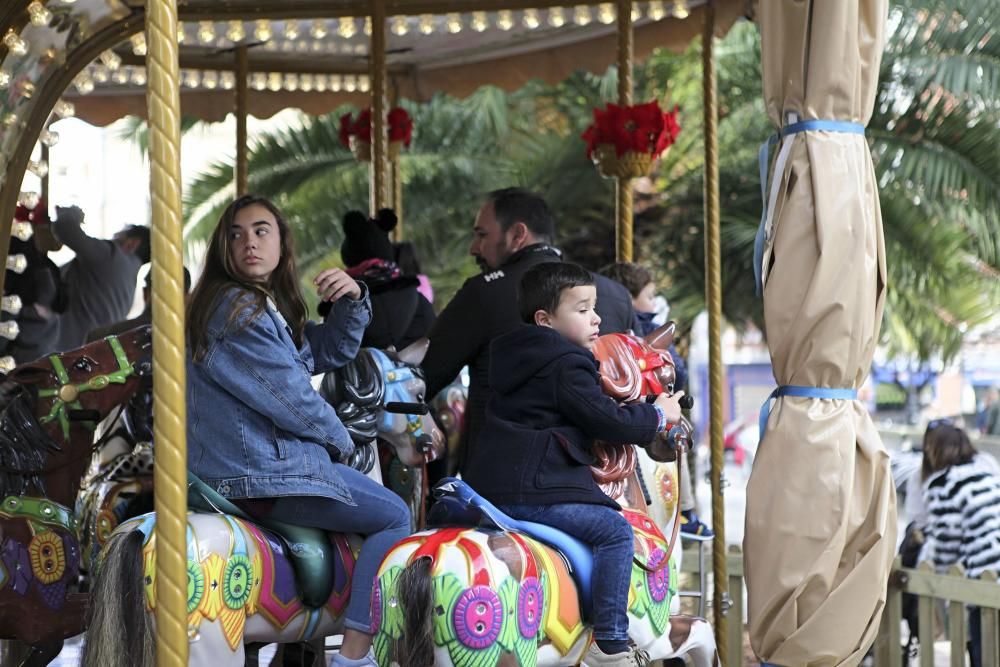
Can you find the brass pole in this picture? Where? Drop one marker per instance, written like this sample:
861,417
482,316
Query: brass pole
395,172
44,190
713,289
623,186
170,475
380,165
242,166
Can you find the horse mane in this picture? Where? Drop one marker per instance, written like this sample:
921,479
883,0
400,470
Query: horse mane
356,392
24,444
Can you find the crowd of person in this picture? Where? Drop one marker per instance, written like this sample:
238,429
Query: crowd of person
524,327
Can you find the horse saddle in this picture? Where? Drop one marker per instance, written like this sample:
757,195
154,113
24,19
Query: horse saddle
309,550
457,504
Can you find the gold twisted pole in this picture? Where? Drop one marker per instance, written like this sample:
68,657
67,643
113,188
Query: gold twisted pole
170,480
242,95
380,163
713,289
623,186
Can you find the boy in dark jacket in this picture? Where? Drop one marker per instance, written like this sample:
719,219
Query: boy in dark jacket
547,409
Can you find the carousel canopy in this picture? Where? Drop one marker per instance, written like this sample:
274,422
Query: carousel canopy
314,54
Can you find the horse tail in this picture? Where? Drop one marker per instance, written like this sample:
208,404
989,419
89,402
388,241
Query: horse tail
119,631
416,597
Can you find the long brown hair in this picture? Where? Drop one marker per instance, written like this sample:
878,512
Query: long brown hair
945,445
220,274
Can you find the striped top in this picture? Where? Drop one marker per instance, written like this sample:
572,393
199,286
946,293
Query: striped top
963,518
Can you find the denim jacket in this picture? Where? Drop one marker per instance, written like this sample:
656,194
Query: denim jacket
256,427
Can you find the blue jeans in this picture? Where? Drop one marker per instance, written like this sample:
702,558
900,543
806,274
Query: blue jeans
380,516
610,535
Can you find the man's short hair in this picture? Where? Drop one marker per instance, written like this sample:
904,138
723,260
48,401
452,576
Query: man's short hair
542,286
513,205
140,232
633,276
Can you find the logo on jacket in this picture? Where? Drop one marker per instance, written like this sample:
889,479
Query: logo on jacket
496,275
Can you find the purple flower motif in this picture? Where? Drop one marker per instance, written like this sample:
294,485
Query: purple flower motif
376,607
659,579
477,617
16,560
529,607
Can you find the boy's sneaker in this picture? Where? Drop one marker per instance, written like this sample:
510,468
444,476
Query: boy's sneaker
692,525
633,657
367,661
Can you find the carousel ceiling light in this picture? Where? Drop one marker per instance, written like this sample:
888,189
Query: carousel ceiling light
16,263
15,45
49,138
120,77
318,29
64,109
291,82
112,60
210,79
303,47
139,76
479,21
364,85
227,80
258,81
350,83
656,10
505,19
306,82
606,13
180,33
206,32
681,10
318,47
426,24
557,18
22,230
291,31
236,32
346,28
400,26
368,25
262,30
581,15
85,86
9,120
530,19
191,78
9,329
27,89
7,364
454,22
40,16
274,82
4,79
11,303
320,83
138,44
335,84
99,73
636,13
39,168
29,199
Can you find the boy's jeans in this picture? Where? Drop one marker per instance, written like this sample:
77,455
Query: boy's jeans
610,535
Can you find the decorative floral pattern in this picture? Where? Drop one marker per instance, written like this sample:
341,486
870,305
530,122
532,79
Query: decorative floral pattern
48,559
237,581
529,607
477,617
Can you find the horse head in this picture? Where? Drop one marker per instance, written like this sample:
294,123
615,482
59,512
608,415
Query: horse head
52,405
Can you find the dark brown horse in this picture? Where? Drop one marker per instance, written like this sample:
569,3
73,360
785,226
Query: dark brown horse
48,412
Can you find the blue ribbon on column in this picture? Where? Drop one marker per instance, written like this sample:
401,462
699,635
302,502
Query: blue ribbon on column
803,392
764,160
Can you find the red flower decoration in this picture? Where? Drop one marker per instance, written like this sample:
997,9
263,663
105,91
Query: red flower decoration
346,129
400,126
642,128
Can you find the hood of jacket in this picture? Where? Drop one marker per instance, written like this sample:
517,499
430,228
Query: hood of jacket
518,356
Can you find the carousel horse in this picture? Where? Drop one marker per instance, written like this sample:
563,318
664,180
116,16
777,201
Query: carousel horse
484,589
252,581
48,412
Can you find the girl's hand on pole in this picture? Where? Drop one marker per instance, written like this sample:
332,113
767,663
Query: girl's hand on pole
334,284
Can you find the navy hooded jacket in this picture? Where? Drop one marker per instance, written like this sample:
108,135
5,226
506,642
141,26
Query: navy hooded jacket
546,411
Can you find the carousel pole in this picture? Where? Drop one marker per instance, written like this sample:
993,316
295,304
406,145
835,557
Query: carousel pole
396,177
170,475
713,288
623,186
44,189
380,164
242,166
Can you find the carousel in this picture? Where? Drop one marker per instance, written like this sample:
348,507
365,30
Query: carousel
471,586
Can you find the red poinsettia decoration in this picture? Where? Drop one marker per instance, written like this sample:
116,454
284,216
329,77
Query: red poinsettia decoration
400,127
642,128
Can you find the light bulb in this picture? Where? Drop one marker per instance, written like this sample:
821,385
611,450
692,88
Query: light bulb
262,30
64,109
28,199
17,263
581,15
274,82
557,18
7,364
99,73
4,79
320,83
453,22
15,45
306,82
606,13
364,85
39,168
681,10
85,86
426,24
120,77
228,80
49,138
479,21
210,79
10,119
180,33
139,76
400,26
656,10
368,25
346,27
350,83
40,16
27,89
530,19
191,78
11,303
318,29
291,82
206,32
21,230
291,31
335,83
505,19
236,32
138,44
9,329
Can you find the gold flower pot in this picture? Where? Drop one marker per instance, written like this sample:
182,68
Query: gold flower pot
363,149
631,164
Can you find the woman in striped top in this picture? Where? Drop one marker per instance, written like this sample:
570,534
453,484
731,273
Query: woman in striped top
962,495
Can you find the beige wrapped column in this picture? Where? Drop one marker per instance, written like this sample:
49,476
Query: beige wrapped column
821,507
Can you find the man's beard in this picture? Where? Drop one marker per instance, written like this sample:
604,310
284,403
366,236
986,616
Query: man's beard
483,266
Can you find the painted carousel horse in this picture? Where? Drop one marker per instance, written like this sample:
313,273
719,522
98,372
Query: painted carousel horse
252,581
485,590
48,413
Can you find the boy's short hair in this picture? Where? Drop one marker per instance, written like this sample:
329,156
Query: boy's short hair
542,286
633,276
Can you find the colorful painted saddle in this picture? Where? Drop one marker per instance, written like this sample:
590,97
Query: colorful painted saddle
309,550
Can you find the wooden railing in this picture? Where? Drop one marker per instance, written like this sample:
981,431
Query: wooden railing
954,589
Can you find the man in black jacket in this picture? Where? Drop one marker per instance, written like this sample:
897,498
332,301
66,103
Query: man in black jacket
513,232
